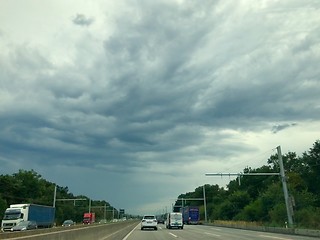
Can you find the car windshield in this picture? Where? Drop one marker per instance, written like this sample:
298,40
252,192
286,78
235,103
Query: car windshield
149,217
177,217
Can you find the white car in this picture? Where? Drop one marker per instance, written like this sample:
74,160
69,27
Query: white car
149,221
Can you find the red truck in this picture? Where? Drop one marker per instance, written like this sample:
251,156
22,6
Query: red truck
89,218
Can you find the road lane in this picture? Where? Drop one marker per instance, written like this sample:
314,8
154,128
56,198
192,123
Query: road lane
195,232
232,233
149,234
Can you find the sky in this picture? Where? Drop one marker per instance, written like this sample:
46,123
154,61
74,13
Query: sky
133,101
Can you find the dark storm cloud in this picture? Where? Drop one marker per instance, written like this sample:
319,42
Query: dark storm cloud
253,94
159,86
82,20
278,128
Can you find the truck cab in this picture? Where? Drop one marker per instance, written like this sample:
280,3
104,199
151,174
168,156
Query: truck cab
89,218
16,213
13,216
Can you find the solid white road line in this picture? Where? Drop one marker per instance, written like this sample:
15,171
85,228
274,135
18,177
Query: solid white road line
125,238
173,235
216,229
212,234
273,237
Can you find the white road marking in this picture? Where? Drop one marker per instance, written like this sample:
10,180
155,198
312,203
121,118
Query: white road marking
281,238
125,238
216,229
110,235
212,234
173,235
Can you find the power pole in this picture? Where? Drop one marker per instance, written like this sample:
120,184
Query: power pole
205,204
283,180
285,189
55,195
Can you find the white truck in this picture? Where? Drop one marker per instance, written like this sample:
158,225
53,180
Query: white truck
16,213
174,220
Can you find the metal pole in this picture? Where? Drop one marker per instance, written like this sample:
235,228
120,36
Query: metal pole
54,195
241,174
182,204
284,186
205,204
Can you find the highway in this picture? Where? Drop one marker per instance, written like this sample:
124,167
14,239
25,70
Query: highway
130,230
195,232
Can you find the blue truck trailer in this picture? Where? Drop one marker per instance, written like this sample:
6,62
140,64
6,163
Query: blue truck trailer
16,213
190,215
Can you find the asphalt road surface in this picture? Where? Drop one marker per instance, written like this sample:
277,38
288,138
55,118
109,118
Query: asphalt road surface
199,232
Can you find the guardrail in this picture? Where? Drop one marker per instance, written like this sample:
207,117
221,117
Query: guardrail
293,231
81,232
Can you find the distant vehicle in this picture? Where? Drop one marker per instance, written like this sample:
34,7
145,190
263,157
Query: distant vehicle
102,221
149,221
89,218
160,219
174,220
16,213
24,225
190,215
68,223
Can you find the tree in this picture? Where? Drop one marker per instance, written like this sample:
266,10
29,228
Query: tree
30,187
3,206
260,198
311,174
308,217
252,212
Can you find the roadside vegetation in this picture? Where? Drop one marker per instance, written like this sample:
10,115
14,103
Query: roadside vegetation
260,200
30,187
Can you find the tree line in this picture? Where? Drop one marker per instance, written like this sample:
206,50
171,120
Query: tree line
29,187
260,198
